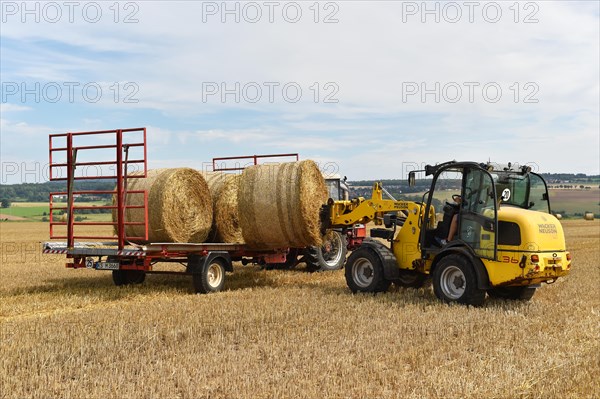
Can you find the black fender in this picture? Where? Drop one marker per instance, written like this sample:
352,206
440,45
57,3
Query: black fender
391,271
483,279
198,262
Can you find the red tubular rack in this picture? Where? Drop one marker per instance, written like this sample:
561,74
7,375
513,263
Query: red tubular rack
120,163
254,158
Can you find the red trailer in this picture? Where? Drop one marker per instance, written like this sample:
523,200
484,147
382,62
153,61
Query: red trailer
87,156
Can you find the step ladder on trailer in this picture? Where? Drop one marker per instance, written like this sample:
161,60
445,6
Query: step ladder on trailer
70,148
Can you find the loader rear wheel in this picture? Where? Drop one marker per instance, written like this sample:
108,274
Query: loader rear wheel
454,280
128,277
211,278
524,293
364,272
410,279
330,256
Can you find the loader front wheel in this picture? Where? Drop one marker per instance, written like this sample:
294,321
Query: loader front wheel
364,272
454,280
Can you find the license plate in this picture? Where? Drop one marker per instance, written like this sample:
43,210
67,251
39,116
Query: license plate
107,266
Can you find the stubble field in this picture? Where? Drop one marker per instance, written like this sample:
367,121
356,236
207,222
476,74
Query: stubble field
277,334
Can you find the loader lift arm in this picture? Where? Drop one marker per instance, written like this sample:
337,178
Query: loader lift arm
360,210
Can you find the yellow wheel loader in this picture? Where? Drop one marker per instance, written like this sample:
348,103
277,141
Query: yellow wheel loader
506,243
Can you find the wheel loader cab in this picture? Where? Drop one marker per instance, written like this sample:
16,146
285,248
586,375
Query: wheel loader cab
477,213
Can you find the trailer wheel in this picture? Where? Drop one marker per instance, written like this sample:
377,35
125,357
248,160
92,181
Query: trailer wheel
128,277
410,279
454,280
364,272
211,278
524,293
330,256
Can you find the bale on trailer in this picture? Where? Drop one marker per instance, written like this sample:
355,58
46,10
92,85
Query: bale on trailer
279,205
227,218
216,182
179,206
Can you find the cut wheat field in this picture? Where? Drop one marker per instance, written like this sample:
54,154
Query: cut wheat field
287,334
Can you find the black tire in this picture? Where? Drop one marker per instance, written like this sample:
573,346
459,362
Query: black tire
330,256
454,280
524,293
410,279
210,278
364,272
128,277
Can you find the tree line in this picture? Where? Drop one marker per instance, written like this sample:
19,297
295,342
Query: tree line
39,192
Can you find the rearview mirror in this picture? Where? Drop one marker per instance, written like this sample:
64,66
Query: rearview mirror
411,179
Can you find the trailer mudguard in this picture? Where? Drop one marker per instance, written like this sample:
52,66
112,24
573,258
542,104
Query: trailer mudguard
198,262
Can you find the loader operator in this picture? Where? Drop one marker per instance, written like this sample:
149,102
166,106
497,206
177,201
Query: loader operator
453,223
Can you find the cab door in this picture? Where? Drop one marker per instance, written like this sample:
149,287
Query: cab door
478,214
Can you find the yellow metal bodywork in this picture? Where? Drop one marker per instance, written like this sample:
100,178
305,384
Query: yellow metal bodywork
541,235
361,210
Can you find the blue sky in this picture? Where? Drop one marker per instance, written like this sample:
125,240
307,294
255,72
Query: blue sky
388,77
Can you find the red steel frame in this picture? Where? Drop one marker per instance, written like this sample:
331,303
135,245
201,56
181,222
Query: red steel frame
120,175
255,159
139,258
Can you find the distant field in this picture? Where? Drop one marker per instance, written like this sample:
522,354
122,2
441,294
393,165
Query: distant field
26,210
35,211
575,201
29,204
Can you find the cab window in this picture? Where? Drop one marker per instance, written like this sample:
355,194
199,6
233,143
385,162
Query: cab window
538,194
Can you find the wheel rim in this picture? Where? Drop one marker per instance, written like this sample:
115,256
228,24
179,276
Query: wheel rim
214,275
363,272
332,250
453,282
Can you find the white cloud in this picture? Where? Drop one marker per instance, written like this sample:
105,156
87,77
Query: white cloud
7,107
371,55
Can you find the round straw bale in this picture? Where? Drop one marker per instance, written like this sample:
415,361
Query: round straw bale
588,216
216,181
279,205
227,219
179,206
